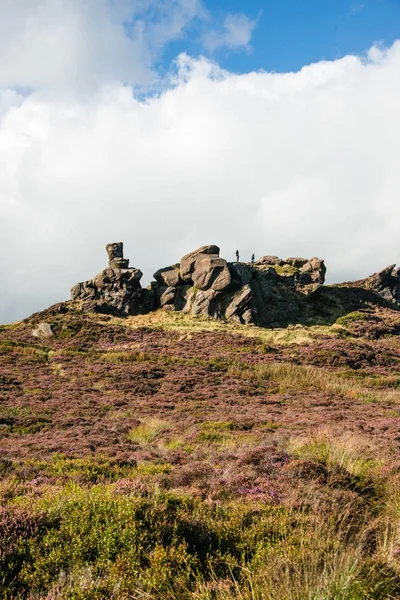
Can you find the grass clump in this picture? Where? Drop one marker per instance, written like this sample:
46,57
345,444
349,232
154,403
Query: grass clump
350,318
285,270
147,431
292,377
349,453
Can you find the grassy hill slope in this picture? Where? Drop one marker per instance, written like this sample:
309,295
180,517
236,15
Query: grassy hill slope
169,456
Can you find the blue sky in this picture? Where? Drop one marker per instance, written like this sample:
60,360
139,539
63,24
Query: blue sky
292,33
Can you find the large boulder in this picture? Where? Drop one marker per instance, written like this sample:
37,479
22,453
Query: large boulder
386,283
169,276
315,268
187,263
116,258
211,272
129,277
240,307
296,261
201,302
114,291
269,261
172,298
234,306
204,269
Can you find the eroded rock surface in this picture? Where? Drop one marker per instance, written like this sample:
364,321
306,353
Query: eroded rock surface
116,258
386,283
116,290
271,292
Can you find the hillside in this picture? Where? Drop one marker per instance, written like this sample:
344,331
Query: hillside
167,455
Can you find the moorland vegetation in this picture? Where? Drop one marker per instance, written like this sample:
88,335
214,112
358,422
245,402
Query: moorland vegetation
171,456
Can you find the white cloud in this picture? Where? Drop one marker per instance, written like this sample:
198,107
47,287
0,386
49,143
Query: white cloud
299,163
235,33
84,43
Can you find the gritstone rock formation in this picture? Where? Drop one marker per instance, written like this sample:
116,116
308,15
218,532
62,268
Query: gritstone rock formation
116,258
271,292
115,290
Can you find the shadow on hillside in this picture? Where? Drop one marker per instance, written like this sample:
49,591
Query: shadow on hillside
329,303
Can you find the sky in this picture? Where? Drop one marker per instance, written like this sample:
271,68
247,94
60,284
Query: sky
271,127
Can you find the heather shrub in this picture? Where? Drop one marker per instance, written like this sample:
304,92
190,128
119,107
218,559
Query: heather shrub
159,543
89,469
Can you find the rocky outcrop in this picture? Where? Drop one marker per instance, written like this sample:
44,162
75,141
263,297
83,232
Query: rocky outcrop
302,271
386,283
116,290
268,292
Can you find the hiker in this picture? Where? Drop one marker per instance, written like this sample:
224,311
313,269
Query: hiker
253,258
237,255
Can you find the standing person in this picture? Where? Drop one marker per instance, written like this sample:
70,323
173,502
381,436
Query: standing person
253,258
237,255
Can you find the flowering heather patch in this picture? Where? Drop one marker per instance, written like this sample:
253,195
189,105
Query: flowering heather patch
176,460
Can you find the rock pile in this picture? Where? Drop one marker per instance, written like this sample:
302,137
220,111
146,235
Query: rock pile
269,292
386,283
115,290
204,284
303,271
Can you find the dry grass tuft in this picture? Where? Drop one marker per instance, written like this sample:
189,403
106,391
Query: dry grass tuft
148,431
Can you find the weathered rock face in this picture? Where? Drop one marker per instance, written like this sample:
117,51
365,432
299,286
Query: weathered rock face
266,293
188,262
115,290
116,258
386,283
271,292
269,261
302,271
296,261
315,268
211,272
168,276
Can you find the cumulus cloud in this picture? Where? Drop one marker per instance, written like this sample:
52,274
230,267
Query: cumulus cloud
81,44
235,33
299,163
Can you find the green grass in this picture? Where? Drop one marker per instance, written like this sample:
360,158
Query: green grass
285,270
187,324
351,318
148,430
291,377
79,543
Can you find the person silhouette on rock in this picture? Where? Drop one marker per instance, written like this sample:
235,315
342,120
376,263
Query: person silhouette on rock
237,255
